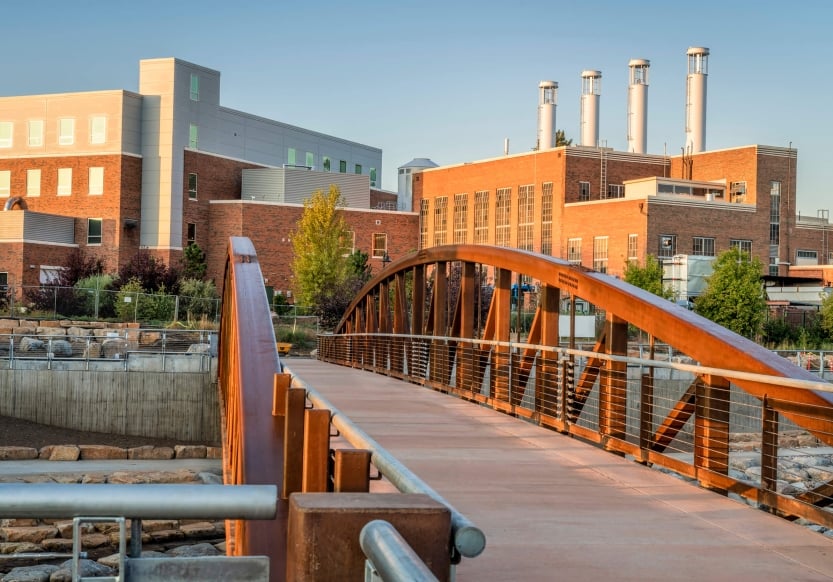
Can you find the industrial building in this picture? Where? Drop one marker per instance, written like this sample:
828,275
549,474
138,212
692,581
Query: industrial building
116,172
601,208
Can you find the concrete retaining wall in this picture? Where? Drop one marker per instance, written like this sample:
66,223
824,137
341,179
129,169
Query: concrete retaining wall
177,406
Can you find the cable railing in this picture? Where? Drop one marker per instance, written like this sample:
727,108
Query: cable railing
774,451
66,347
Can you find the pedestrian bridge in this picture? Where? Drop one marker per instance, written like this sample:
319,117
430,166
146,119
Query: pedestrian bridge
553,453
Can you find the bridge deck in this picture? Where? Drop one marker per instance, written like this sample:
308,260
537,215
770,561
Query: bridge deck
553,507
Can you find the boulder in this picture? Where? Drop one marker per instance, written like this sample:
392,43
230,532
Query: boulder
28,344
33,535
112,560
201,529
92,350
190,451
99,452
57,544
19,522
78,332
203,549
39,573
86,569
214,452
18,453
19,548
61,348
95,540
149,452
64,453
93,478
9,323
199,348
149,338
113,348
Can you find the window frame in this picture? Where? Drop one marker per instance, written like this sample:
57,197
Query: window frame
98,136
633,247
192,189
97,180
31,125
377,251
32,192
64,186
461,218
601,253
667,246
374,178
99,236
740,244
342,166
357,169
67,137
583,191
8,140
5,183
190,233
193,136
700,245
574,250
326,163
194,87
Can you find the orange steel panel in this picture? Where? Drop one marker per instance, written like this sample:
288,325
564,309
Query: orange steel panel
293,465
351,471
316,451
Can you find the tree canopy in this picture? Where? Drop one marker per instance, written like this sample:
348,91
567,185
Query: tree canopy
321,264
734,295
561,138
648,277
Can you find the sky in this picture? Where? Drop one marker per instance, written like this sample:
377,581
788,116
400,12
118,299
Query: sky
452,80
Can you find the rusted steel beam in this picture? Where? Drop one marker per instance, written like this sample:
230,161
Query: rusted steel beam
502,302
585,383
253,438
293,442
676,419
613,384
351,471
316,474
769,447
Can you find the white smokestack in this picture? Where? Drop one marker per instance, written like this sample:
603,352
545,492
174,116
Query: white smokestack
547,101
638,106
695,107
591,90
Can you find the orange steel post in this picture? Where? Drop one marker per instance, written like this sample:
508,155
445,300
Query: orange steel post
503,304
351,471
613,384
437,372
769,453
546,386
316,451
711,428
293,454
280,385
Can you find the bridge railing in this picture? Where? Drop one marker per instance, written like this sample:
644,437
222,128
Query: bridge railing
775,452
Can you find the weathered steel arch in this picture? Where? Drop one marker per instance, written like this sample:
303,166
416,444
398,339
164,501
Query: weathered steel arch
711,345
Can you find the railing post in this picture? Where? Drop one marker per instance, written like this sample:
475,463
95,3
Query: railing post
769,455
613,381
293,442
646,414
711,429
316,451
351,471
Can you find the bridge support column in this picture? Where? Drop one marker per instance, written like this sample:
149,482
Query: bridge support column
711,429
546,380
613,383
502,358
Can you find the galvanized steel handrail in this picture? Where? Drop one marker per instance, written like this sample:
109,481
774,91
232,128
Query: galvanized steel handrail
815,386
468,539
391,556
145,501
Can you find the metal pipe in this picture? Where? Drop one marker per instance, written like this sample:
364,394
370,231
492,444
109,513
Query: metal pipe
390,554
166,501
468,539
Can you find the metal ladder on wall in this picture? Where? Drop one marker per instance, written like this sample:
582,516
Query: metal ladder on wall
602,175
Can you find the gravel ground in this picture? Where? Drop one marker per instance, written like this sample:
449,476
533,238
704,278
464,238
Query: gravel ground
15,432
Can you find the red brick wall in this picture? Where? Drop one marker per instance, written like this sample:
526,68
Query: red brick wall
270,228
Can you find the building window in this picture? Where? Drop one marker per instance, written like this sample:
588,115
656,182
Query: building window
64,181
193,136
633,247
195,87
667,245
615,191
357,169
703,246
461,218
440,220
98,129
310,160
745,246
290,156
6,134
774,213
4,281
737,191
380,245
192,186
32,182
584,191
373,179
326,163
546,219
5,183
481,217
348,244
93,231
191,236
96,181
66,131
342,167
526,216
503,201
574,251
600,254
423,223
804,257
36,133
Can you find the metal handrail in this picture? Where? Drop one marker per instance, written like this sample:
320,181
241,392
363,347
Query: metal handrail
391,556
468,539
145,501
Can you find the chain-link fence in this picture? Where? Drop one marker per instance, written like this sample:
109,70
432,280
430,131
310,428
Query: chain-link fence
51,302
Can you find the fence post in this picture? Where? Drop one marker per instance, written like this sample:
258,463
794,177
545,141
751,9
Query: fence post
176,309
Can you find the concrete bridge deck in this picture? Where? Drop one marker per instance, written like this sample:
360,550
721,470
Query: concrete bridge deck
555,508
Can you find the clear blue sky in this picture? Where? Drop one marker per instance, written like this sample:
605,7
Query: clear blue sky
450,80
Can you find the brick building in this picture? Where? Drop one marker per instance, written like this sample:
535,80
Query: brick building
601,208
118,172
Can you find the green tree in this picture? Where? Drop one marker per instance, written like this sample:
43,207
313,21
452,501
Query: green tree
648,277
734,295
357,266
826,313
198,299
320,266
561,138
193,262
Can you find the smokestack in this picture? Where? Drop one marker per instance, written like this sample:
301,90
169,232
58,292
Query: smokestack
695,107
638,106
547,100
591,90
